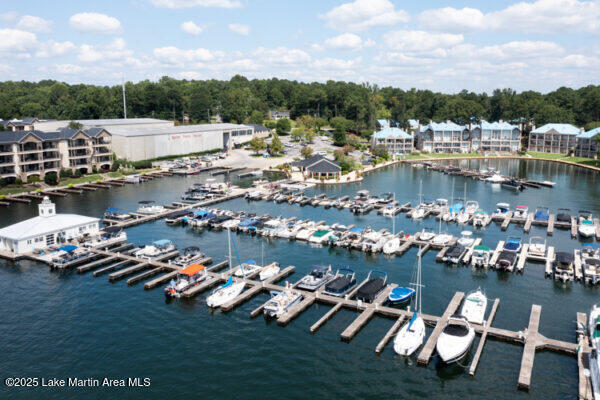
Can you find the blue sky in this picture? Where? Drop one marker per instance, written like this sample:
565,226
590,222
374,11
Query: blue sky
473,45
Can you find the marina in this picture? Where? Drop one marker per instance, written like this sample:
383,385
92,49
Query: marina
370,325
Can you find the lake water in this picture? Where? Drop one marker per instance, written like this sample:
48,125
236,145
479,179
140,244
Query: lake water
65,325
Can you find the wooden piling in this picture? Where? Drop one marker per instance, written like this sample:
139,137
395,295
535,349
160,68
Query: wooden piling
550,230
528,223
95,264
531,337
507,220
390,333
326,317
488,323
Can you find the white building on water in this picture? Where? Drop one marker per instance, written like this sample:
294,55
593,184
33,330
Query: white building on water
45,230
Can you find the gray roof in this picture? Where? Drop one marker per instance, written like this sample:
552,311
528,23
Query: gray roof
258,128
308,161
174,130
324,166
120,121
65,133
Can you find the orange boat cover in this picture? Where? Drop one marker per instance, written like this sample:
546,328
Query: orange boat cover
192,269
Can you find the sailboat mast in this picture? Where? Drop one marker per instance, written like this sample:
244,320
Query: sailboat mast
229,245
419,284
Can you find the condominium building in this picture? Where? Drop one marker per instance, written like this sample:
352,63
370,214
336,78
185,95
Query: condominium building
553,138
495,136
395,140
35,153
588,144
444,137
25,124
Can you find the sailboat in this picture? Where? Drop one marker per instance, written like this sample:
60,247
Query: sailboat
392,244
230,290
412,334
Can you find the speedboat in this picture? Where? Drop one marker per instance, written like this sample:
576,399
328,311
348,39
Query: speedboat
496,178
269,271
156,249
471,206
392,245
590,262
455,340
247,268
563,216
466,239
512,243
594,357
453,212
254,195
111,236
564,266
321,236
426,234
280,302
376,282
342,283
319,276
307,231
149,208
481,219
441,205
481,257
512,184
441,239
226,292
187,278
474,307
537,247
521,212
401,295
542,214
454,254
390,210
191,255
501,210
506,260
586,224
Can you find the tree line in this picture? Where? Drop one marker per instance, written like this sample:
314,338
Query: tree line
239,99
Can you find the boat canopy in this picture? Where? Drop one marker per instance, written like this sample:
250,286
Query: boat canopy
229,282
595,245
564,257
146,202
250,262
522,207
587,222
503,205
356,230
200,213
248,222
162,242
112,229
68,248
111,210
192,269
482,248
321,233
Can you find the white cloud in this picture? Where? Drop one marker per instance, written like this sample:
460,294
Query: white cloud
68,69
16,40
115,50
541,16
240,29
361,15
335,63
197,3
450,19
34,24
282,55
345,41
421,41
9,16
174,55
54,49
95,23
508,52
317,47
191,28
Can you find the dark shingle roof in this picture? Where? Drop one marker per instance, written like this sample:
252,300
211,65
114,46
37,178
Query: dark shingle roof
324,166
258,128
308,161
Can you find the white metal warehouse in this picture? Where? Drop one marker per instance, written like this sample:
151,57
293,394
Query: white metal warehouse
147,143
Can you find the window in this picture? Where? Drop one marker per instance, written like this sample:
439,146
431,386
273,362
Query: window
50,240
29,241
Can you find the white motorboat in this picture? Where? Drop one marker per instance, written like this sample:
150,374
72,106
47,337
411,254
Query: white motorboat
564,266
471,206
496,178
463,217
320,275
282,301
321,236
474,307
149,208
481,219
226,292
586,224
455,340
441,205
110,237
501,210
291,230
537,247
590,263
269,271
466,239
418,213
307,231
481,257
521,212
594,356
412,334
158,248
391,246
247,268
442,239
187,278
426,234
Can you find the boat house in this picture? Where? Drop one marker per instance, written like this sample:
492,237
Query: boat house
396,141
318,167
45,230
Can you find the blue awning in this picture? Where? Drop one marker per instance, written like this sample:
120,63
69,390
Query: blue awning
356,230
163,242
68,248
112,209
250,262
200,212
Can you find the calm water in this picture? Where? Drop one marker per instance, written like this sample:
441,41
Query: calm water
61,325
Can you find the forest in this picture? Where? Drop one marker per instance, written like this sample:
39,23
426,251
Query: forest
236,100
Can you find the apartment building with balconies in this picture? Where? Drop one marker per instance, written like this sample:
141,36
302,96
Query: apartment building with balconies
396,141
554,138
27,153
588,144
495,136
444,137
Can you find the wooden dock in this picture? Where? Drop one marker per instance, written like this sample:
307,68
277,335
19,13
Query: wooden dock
528,222
507,220
597,225
522,258
390,333
531,338
496,254
550,230
549,261
574,225
467,257
366,315
328,315
583,364
484,334
427,351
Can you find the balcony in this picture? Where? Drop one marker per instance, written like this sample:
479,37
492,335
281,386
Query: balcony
102,150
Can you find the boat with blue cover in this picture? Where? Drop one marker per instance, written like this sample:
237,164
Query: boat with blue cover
542,214
401,295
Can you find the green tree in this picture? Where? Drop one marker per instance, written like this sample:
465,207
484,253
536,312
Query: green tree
320,123
283,126
276,146
257,117
75,125
51,178
380,151
306,121
257,145
310,136
306,152
271,124
298,134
